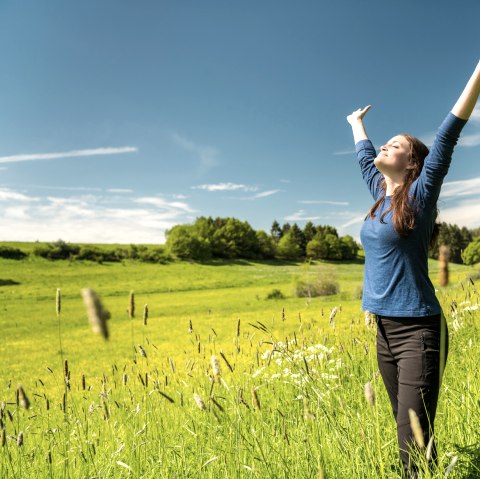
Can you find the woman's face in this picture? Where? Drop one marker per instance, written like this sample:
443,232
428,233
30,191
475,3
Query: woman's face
394,156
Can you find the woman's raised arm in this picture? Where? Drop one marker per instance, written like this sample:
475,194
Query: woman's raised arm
466,102
356,121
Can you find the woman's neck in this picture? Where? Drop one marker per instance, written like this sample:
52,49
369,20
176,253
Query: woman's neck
391,185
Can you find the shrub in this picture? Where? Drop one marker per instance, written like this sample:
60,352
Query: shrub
471,254
305,288
57,250
11,253
275,294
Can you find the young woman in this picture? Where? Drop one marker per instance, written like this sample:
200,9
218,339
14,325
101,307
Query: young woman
412,338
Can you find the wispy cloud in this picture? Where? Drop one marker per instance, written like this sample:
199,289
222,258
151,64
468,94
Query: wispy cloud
88,218
68,154
119,190
350,151
461,188
326,202
354,221
225,187
472,139
300,216
285,181
10,195
464,213
264,194
206,154
159,202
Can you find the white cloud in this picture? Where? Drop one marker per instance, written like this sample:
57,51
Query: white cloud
206,154
464,213
10,195
300,216
350,151
461,188
119,190
326,202
88,218
161,203
355,220
264,194
472,139
225,187
68,154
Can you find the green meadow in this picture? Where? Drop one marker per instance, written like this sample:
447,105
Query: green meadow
285,400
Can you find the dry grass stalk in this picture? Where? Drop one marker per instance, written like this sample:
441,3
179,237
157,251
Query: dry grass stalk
443,258
190,326
97,314
131,305
451,466
142,351
226,361
428,454
332,315
369,319
369,393
83,382
20,439
217,371
4,437
22,399
199,402
255,399
145,315
416,428
58,302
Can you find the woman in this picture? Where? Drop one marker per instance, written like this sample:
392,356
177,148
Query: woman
412,339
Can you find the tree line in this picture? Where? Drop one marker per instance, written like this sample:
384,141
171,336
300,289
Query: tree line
230,238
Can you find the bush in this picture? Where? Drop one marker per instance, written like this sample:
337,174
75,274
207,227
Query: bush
57,250
305,288
99,255
275,294
11,253
471,254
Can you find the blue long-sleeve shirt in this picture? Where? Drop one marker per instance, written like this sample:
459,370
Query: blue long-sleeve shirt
396,281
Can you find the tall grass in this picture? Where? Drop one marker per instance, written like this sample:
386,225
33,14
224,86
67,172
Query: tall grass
265,398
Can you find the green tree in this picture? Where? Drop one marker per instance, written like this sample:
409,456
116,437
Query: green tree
299,237
266,245
471,254
288,248
183,243
309,231
348,247
235,239
317,248
276,231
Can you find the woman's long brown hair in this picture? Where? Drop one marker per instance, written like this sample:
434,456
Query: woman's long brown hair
403,210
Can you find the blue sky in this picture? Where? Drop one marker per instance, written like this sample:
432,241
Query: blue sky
119,119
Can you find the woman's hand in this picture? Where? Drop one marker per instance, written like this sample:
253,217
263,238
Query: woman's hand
358,115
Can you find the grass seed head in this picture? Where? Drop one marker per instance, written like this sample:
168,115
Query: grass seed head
22,398
217,372
369,393
58,302
199,402
145,315
4,437
131,305
20,439
97,314
416,428
255,399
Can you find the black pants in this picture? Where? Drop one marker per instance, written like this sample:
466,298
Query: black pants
412,353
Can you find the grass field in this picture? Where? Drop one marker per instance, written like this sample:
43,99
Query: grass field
297,412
